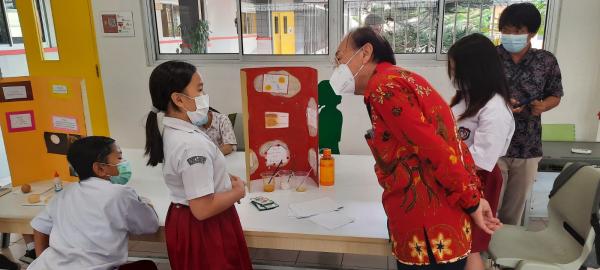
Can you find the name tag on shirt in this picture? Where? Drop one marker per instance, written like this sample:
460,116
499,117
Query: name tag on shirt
196,159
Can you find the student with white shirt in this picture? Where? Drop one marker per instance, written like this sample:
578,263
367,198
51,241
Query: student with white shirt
202,230
86,225
485,121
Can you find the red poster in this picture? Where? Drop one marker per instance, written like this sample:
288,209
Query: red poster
282,119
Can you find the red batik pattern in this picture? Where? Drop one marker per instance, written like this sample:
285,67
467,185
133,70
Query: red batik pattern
427,173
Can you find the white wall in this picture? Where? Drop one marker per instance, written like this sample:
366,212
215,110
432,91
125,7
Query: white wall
125,76
578,53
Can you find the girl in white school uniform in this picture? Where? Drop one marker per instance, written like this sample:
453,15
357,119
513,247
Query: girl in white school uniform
86,225
484,119
202,229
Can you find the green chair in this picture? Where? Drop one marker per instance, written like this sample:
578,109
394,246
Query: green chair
558,132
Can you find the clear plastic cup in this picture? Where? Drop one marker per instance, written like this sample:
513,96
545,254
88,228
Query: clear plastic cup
300,180
268,181
284,178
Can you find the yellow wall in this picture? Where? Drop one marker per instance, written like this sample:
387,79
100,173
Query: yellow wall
73,23
77,66
28,158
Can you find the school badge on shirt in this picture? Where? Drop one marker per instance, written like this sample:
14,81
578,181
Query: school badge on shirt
196,159
464,133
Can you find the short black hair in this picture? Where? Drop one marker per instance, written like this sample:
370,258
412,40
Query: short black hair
519,15
84,152
382,50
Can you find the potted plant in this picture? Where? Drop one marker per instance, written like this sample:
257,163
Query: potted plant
196,38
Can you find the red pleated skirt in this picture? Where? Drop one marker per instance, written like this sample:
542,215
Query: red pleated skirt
492,186
214,243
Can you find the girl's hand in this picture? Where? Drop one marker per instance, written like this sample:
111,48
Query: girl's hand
238,185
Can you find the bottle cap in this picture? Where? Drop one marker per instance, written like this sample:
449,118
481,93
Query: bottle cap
326,152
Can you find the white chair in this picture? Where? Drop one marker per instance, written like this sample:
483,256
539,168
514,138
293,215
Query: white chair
567,240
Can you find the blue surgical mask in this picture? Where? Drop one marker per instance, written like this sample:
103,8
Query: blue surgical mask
199,117
514,43
124,169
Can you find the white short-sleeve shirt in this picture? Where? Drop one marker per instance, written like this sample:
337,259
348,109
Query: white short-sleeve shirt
488,133
88,223
194,166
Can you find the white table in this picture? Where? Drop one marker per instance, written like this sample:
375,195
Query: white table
356,188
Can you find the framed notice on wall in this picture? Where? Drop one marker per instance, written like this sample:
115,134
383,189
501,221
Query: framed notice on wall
20,121
117,24
15,91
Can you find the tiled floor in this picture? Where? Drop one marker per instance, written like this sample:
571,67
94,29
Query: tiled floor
263,259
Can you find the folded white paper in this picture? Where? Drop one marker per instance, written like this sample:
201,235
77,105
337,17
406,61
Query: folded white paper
314,207
331,220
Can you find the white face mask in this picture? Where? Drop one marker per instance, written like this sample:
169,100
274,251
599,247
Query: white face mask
342,79
199,117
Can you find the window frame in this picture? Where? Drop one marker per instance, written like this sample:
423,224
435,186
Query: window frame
335,19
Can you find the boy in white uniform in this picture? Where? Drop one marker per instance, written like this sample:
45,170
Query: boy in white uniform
86,225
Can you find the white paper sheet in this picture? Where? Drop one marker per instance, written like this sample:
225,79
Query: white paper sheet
331,220
60,89
14,92
314,207
21,121
275,83
277,120
64,123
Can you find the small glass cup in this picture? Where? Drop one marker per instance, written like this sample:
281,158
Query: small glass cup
284,178
300,180
268,181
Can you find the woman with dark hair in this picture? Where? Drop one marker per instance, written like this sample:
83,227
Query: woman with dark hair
202,229
431,191
485,122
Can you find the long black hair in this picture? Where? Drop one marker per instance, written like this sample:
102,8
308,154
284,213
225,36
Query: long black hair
382,50
167,78
478,73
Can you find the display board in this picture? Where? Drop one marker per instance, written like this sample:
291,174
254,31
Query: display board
280,107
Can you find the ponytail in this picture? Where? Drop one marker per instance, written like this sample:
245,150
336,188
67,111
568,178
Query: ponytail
154,142
166,79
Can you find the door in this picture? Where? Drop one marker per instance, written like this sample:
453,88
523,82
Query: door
75,53
276,33
288,36
284,37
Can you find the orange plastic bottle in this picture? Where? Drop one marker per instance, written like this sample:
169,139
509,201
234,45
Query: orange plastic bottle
327,169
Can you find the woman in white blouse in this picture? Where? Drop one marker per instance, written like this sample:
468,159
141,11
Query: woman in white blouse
484,119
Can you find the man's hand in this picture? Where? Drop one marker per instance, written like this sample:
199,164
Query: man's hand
513,104
484,218
538,107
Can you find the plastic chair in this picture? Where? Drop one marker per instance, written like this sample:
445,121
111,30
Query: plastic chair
238,129
567,240
558,132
